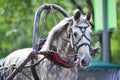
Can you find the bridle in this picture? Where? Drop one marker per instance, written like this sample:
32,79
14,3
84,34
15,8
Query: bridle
83,30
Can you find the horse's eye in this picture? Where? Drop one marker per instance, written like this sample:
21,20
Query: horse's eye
75,34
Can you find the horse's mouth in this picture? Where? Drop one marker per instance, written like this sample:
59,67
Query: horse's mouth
76,62
80,63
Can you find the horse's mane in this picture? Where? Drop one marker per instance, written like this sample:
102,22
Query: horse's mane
57,38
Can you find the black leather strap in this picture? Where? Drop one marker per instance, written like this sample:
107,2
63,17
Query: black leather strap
33,70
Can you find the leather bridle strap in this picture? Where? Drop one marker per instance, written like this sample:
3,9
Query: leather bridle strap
33,70
86,44
82,29
83,35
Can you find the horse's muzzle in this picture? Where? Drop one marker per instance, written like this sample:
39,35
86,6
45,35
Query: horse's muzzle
85,62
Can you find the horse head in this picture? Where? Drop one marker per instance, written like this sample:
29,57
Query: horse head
78,37
79,31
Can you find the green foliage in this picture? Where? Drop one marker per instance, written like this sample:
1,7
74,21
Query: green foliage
17,18
115,39
16,22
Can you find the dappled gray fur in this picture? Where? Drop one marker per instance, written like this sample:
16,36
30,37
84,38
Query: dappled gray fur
46,70
59,37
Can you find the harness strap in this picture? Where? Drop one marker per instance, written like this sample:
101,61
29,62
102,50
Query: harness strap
82,45
53,56
58,61
33,70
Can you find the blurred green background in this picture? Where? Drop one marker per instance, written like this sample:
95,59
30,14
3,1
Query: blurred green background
17,18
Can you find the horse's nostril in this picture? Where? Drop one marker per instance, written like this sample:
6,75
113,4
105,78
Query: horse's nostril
84,63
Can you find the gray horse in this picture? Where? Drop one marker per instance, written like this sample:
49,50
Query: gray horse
71,39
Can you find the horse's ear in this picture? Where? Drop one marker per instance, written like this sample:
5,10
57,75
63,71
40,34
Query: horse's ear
89,16
77,14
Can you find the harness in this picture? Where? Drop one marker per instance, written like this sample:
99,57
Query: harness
53,56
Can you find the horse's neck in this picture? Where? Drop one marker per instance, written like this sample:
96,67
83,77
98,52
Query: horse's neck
63,46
